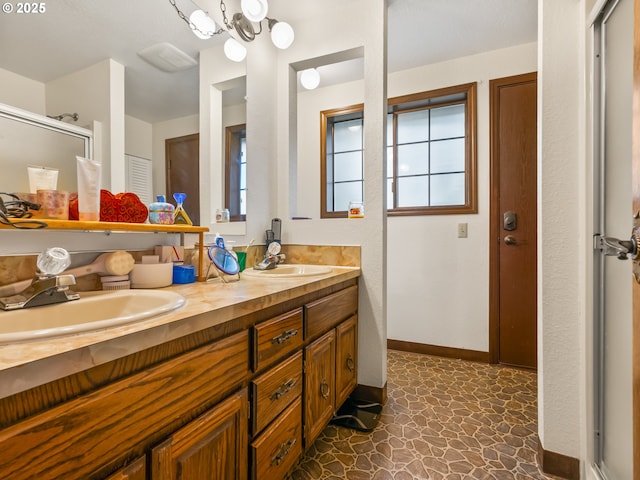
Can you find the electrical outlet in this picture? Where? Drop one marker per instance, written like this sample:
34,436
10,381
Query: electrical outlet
462,230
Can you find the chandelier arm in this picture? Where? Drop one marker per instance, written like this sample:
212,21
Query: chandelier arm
193,25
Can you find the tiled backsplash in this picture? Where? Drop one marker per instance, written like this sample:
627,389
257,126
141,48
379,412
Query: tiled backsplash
21,267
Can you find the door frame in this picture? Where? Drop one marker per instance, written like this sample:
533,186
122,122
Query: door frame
636,207
495,215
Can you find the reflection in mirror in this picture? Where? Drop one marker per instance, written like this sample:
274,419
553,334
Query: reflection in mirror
30,139
234,152
235,167
341,86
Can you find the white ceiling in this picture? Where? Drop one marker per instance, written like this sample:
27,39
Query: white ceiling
74,34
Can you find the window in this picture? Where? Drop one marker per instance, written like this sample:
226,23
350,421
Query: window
431,154
236,172
342,153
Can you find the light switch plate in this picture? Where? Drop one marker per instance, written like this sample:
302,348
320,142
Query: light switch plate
462,230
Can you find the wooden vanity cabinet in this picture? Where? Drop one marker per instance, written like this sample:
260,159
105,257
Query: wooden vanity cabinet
89,436
330,361
136,470
346,359
274,390
213,446
278,448
277,337
320,380
286,417
227,403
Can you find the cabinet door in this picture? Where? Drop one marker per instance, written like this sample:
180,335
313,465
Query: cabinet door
346,359
320,360
137,470
211,447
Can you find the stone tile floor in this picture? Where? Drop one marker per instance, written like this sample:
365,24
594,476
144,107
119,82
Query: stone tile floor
445,419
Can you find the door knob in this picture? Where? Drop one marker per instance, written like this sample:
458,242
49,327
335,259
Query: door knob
510,240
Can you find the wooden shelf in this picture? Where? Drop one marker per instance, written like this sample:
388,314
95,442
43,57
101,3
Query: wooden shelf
115,226
75,225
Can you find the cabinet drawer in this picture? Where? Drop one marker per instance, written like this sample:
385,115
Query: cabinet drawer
279,447
136,470
277,337
274,390
327,312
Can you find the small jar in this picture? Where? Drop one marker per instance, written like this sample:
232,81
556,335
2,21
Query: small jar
161,212
356,210
222,215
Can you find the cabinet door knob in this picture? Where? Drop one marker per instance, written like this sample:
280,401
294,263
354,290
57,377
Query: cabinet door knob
351,365
324,389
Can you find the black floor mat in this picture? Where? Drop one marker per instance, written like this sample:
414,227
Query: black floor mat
357,415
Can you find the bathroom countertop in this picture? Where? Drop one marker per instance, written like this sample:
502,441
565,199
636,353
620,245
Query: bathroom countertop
24,365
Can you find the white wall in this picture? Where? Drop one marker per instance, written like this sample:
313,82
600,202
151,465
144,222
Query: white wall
96,93
562,193
428,266
312,48
22,92
430,269
138,137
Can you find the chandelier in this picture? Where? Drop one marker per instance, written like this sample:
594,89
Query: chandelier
252,12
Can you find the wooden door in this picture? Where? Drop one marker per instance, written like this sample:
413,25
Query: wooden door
183,172
513,323
346,359
214,446
319,367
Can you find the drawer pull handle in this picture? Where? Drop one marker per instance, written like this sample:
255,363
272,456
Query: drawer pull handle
284,451
351,365
284,389
284,336
324,389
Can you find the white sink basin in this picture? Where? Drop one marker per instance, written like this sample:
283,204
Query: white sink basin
93,311
289,270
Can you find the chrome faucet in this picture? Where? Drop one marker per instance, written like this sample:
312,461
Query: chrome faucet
272,258
47,286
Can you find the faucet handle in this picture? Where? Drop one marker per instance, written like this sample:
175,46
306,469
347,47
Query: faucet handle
53,261
65,280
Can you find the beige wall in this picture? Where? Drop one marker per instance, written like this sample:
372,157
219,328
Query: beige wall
96,93
22,92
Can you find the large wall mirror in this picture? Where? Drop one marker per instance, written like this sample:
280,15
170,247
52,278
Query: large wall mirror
30,139
92,65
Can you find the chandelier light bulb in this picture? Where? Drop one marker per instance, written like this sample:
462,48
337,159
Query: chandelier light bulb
204,24
234,50
310,78
282,35
254,10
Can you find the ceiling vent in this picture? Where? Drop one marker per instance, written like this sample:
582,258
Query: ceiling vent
167,57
